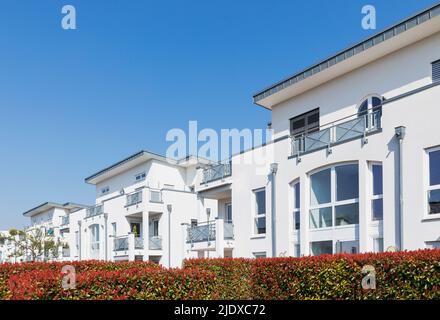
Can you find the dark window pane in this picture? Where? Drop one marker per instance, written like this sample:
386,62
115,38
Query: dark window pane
297,220
363,108
377,180
260,225
322,247
347,182
261,201
320,187
376,101
347,214
434,201
377,208
347,247
434,168
297,196
298,124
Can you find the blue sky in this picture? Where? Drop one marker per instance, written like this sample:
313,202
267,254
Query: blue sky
73,102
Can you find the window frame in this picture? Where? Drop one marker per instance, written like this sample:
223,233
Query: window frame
428,187
295,208
433,64
142,175
371,194
370,125
256,215
333,196
307,127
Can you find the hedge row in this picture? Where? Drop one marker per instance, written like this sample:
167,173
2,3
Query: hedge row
402,275
141,284
19,270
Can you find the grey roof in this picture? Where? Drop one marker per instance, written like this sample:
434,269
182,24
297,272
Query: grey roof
47,205
396,29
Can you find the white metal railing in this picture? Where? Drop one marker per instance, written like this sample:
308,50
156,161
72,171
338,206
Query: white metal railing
204,231
134,198
155,196
94,211
138,243
216,172
120,243
337,132
66,252
155,243
228,231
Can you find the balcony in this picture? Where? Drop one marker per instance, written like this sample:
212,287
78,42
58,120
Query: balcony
344,130
216,172
120,243
155,196
155,243
66,252
94,211
206,232
134,198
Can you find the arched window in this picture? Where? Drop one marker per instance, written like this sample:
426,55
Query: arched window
371,109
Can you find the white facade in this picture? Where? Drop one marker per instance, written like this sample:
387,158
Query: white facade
347,134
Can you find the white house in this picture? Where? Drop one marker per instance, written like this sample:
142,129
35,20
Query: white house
354,166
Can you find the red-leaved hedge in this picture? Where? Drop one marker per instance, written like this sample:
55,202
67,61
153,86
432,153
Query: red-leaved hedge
402,275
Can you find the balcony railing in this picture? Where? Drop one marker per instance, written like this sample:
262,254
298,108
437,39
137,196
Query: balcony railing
156,196
206,231
228,231
65,220
138,243
155,243
336,133
134,198
120,244
216,172
94,211
66,252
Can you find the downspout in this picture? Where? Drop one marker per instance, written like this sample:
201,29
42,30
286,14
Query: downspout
400,135
169,208
79,241
106,236
273,172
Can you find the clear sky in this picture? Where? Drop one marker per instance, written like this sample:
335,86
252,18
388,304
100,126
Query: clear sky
73,102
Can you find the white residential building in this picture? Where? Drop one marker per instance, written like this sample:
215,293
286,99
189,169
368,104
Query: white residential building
354,167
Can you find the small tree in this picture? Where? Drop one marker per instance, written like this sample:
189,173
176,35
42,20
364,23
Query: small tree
35,244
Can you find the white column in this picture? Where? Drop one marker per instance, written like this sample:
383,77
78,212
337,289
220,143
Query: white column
131,247
219,238
364,189
146,233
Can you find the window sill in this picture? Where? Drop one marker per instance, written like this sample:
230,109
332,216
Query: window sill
431,217
259,236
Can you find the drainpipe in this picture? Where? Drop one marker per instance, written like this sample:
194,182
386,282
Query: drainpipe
106,236
273,172
79,240
400,135
169,208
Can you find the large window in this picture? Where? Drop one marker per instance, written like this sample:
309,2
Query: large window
305,123
377,192
260,212
321,247
347,246
334,197
434,182
296,206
